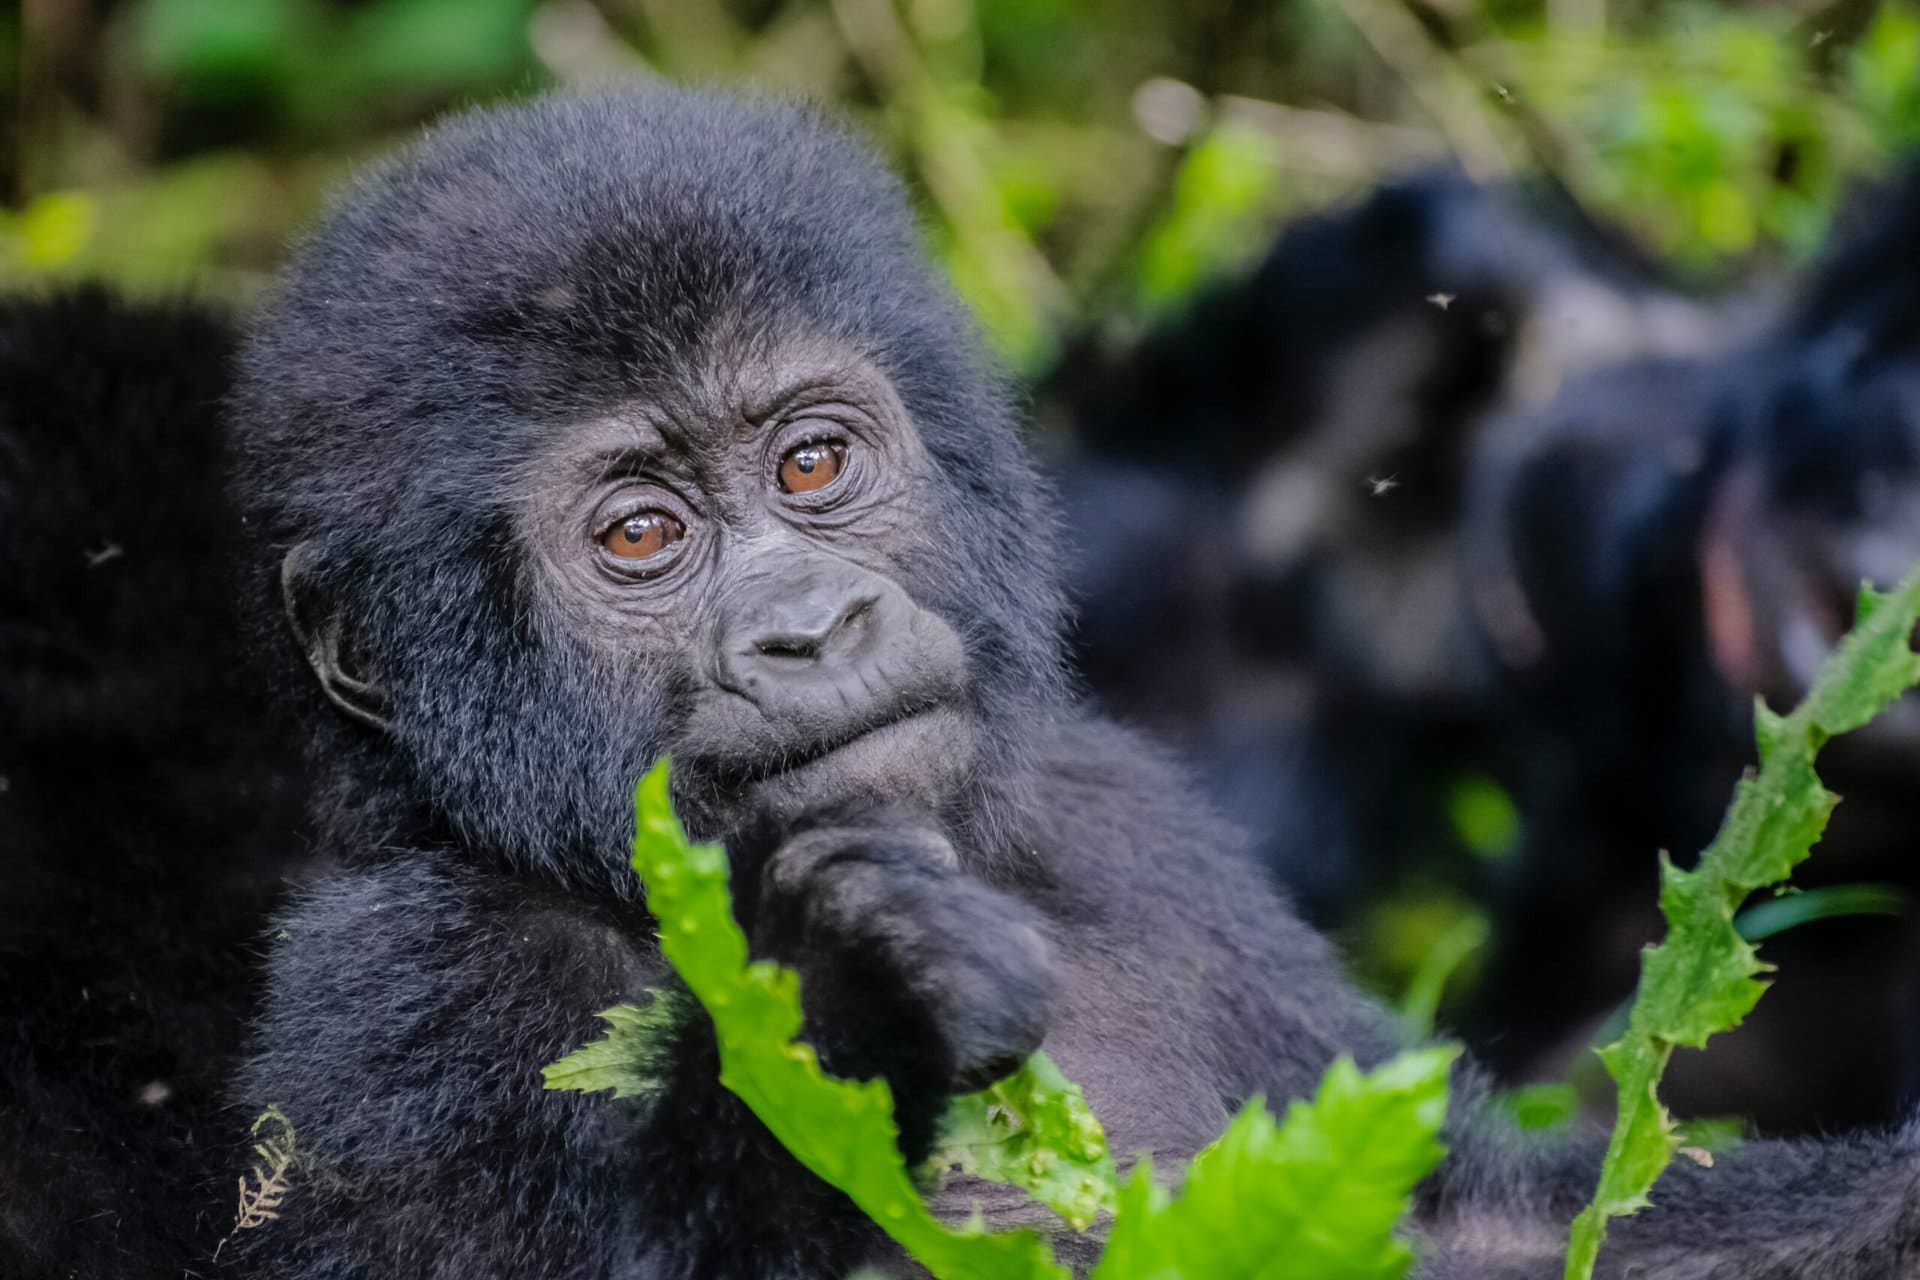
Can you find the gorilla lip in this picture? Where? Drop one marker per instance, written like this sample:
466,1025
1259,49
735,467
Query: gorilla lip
816,753
919,756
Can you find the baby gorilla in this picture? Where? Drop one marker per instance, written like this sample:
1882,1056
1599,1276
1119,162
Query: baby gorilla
600,429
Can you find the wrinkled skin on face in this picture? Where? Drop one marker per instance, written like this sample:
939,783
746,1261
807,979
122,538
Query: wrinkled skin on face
673,535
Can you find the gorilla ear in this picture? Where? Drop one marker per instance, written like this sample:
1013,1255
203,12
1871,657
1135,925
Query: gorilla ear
324,637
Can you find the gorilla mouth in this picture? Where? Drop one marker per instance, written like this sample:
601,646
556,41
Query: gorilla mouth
918,754
893,726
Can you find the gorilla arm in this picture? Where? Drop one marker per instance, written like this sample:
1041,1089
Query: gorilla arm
1839,1208
422,1106
1228,991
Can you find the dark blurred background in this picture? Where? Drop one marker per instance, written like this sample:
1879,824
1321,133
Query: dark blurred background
1461,407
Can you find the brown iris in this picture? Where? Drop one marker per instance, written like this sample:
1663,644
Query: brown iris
643,535
813,465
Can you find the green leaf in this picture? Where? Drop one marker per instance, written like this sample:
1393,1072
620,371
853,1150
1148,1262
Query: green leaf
1225,198
1881,75
1483,816
1315,1196
1318,1195
1704,977
222,49
1765,919
841,1130
427,47
1034,1130
632,1058
1547,1105
1420,1006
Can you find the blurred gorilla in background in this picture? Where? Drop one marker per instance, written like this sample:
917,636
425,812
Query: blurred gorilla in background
1461,490
1263,502
149,812
1666,540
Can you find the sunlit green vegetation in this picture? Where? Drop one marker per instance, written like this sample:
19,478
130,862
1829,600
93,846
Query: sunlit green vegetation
1074,160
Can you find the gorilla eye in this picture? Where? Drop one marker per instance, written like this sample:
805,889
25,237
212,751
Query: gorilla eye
810,466
643,535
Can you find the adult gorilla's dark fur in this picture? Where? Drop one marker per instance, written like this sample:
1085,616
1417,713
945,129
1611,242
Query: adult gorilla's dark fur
1666,540
146,810
1307,429
596,429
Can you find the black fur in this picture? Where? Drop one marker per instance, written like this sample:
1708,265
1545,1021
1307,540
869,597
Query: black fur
148,809
413,364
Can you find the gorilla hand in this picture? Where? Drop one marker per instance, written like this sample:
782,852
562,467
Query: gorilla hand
909,968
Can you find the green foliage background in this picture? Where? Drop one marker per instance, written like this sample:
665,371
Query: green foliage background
1076,159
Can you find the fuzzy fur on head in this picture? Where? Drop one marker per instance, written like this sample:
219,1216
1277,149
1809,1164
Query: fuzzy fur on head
521,270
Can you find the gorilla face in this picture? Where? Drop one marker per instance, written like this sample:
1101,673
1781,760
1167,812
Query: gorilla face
750,535
1825,497
607,428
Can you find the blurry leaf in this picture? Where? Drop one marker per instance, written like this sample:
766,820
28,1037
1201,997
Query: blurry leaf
1883,74
223,49
989,255
1725,220
1225,197
1765,919
51,231
1704,129
1420,1007
180,223
1703,977
1420,928
1315,1196
1715,1134
437,47
1536,1107
1483,816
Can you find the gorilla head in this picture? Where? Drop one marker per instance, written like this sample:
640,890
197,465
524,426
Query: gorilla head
618,426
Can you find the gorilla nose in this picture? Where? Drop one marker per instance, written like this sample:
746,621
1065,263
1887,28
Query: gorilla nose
814,630
814,655
784,638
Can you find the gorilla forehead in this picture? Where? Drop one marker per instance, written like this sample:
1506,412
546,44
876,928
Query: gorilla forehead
544,263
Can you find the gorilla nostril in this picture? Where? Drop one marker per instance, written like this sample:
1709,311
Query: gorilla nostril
797,647
855,615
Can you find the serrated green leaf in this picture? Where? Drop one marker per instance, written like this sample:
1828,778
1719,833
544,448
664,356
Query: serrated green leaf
632,1058
1315,1196
1768,728
842,1130
1318,1195
1704,977
1033,1130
